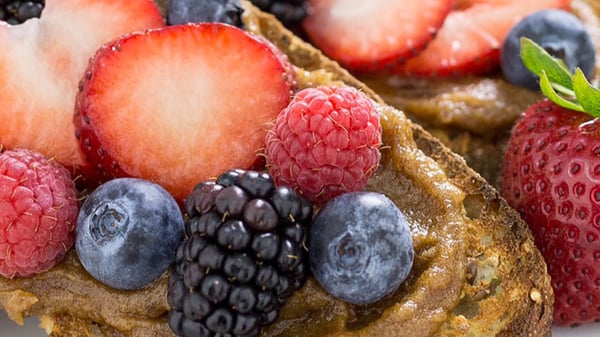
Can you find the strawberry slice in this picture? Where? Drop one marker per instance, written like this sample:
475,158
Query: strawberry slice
371,35
180,104
41,62
469,41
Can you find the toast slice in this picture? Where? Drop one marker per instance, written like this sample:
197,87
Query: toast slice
476,272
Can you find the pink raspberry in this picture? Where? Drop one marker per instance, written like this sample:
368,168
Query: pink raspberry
325,143
38,213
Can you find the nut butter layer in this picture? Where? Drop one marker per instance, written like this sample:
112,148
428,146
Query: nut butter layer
476,269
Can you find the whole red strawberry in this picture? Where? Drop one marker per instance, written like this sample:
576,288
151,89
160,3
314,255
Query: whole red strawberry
551,175
325,143
38,212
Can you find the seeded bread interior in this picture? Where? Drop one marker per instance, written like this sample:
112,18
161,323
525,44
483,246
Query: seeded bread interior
477,271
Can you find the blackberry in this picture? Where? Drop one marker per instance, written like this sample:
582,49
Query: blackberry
186,11
243,257
16,12
289,12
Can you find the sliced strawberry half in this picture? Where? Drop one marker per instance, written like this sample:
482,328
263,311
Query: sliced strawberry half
41,63
370,35
180,104
469,41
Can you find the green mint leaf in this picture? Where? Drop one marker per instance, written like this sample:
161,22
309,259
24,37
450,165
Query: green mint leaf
587,95
549,91
536,59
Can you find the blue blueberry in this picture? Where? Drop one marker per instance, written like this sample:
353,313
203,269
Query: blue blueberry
360,247
558,32
186,11
128,231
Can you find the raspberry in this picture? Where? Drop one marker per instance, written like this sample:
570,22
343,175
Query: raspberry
243,258
326,142
38,212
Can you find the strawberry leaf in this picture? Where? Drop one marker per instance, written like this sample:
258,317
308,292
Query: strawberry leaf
571,91
587,95
536,59
549,91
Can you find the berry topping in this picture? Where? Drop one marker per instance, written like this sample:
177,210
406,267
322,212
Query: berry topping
194,105
16,12
560,33
185,11
128,231
42,62
38,208
370,35
325,143
360,247
231,276
469,41
550,175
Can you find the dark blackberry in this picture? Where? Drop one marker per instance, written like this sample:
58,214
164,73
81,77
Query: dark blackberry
207,223
289,12
291,207
258,184
234,235
215,288
231,201
230,177
204,195
239,268
186,11
16,12
211,257
243,257
260,215
266,245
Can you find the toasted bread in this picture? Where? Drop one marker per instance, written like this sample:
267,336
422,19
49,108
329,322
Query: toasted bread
477,271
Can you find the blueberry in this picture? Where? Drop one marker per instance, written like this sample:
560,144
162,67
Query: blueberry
558,32
360,247
128,231
186,11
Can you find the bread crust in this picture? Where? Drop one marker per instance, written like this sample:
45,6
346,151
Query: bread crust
494,280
